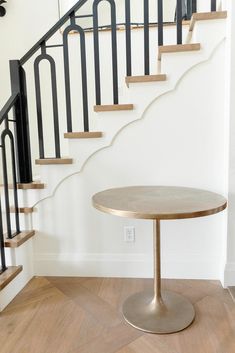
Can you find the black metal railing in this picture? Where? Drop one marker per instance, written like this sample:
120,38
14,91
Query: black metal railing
9,151
76,28
183,10
114,51
14,120
11,159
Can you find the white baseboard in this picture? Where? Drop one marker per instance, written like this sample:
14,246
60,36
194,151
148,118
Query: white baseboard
124,265
229,274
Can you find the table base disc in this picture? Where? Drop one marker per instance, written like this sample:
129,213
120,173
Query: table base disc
174,314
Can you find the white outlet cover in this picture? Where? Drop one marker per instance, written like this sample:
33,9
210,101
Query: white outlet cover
129,234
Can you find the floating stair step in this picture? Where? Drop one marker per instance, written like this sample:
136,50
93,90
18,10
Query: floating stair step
19,239
26,186
145,78
113,107
83,135
25,210
31,186
48,161
7,276
177,48
203,16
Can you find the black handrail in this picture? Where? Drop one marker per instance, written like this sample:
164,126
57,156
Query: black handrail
52,31
8,106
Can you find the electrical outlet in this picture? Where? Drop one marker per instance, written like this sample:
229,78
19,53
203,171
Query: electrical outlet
129,234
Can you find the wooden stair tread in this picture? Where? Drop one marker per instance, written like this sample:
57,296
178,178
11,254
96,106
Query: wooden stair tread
51,161
203,16
7,276
177,48
27,186
19,239
25,210
83,135
113,107
31,186
145,78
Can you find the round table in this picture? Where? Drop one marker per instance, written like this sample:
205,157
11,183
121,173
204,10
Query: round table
158,311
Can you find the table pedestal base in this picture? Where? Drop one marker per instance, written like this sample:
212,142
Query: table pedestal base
170,314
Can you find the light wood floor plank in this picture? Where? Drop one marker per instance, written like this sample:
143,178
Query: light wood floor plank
83,315
111,340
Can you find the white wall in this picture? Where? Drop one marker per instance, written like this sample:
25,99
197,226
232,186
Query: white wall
24,23
75,239
180,140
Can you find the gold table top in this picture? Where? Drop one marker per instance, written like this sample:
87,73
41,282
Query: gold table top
159,202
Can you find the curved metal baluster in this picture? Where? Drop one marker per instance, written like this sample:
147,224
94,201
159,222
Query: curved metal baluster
4,134
114,51
45,56
77,28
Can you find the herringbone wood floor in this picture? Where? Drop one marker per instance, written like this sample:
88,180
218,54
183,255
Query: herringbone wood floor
83,315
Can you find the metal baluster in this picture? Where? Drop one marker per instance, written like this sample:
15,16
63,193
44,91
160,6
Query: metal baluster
84,80
6,122
194,6
39,107
67,78
189,9
18,86
213,5
160,22
128,37
5,179
45,56
114,51
146,37
96,52
14,177
2,250
179,21
75,27
9,133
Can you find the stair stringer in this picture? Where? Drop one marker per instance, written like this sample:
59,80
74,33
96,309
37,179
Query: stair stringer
22,255
175,65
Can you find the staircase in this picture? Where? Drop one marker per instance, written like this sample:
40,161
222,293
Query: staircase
103,112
